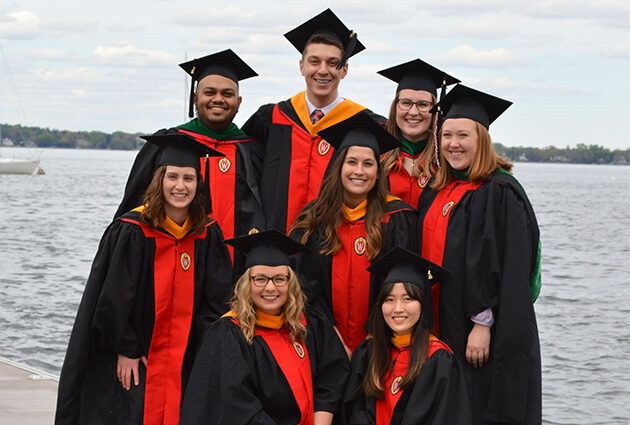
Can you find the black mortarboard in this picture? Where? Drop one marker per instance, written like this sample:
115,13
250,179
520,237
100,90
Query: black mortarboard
226,63
180,149
418,75
360,130
399,265
464,102
331,27
268,248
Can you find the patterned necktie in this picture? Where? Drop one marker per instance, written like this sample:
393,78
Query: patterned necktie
316,115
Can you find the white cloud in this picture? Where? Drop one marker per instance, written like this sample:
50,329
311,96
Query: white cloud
128,55
621,50
466,55
20,25
79,74
50,54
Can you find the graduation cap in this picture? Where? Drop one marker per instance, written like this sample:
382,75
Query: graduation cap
360,130
180,149
331,27
464,102
418,75
399,265
226,63
268,248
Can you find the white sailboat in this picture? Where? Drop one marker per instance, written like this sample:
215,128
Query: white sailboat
17,166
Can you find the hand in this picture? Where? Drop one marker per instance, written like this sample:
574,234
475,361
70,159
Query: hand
322,418
478,347
127,368
345,347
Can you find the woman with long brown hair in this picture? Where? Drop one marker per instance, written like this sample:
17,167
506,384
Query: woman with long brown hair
403,371
409,167
267,361
161,275
477,222
352,221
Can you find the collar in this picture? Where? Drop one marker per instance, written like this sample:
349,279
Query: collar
198,127
412,148
175,229
354,214
401,341
461,174
269,320
326,109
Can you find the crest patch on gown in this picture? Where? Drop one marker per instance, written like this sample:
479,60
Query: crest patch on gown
299,349
447,207
423,179
396,385
184,260
224,165
323,147
360,244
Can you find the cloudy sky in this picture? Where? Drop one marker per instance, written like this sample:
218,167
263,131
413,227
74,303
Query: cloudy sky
112,65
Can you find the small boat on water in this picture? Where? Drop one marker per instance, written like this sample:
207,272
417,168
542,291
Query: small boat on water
18,166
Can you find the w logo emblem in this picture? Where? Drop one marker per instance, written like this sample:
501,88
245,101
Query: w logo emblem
224,165
360,244
323,147
447,207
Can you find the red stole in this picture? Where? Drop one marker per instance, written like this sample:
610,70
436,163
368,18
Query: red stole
400,364
434,230
293,360
174,288
222,182
406,187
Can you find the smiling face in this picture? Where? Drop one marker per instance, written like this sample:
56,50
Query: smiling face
400,311
217,101
319,68
179,186
270,298
459,142
414,124
358,174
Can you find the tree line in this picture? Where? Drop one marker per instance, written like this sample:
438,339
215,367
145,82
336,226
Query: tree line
18,135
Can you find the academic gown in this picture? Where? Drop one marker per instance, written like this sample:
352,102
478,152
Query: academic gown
405,186
339,287
437,397
233,184
236,383
148,294
487,236
295,157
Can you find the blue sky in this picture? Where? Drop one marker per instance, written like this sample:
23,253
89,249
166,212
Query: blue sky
113,65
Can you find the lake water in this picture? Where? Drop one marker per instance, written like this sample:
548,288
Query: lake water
50,226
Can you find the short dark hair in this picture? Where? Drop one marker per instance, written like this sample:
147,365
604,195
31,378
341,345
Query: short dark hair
322,39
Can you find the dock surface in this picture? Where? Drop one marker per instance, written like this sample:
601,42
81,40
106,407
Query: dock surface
27,395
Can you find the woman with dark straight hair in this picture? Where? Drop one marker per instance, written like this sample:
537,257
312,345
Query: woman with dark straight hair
403,373
351,223
160,276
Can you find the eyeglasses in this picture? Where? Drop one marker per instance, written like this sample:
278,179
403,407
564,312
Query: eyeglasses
262,280
407,104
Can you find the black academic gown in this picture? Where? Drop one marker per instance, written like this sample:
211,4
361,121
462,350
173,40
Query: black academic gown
117,315
317,271
295,157
236,383
437,397
490,248
233,184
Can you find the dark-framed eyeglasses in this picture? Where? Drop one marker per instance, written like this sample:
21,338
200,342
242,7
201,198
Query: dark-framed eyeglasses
407,104
261,280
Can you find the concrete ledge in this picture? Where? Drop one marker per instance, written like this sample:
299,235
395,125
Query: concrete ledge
27,395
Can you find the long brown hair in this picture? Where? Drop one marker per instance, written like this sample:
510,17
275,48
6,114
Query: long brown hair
242,304
154,215
426,158
327,208
380,361
484,164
